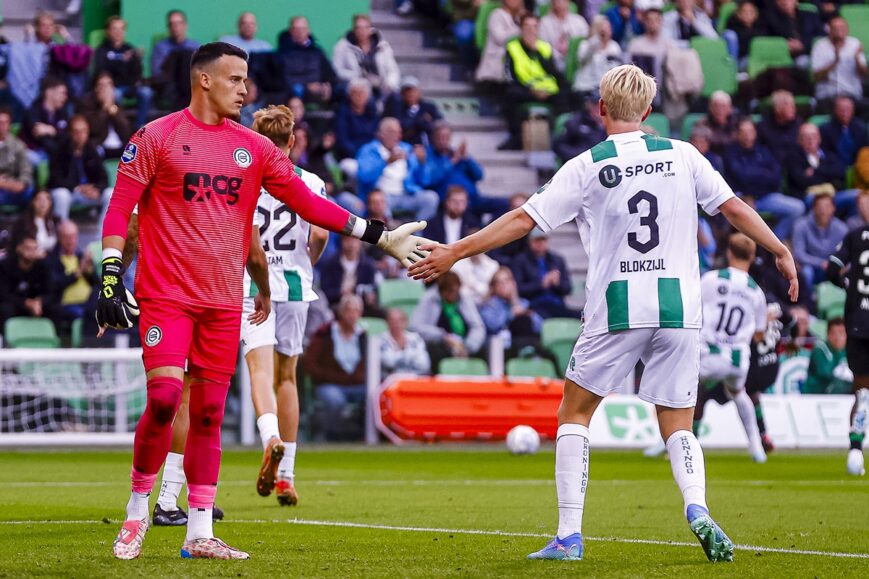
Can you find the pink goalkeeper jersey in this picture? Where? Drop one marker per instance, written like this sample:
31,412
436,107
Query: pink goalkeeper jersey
201,183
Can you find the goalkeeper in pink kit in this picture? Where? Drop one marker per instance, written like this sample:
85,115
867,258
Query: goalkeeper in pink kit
196,176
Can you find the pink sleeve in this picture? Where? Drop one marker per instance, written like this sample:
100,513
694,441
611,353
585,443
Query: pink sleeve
282,182
124,197
141,155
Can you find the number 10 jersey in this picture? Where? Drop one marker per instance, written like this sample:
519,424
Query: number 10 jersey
634,198
284,236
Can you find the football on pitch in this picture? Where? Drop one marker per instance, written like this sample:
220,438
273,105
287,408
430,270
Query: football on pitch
523,440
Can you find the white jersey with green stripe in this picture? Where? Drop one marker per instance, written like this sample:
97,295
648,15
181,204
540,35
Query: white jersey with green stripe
634,198
734,308
284,236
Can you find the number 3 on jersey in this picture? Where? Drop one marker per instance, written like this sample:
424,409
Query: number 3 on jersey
650,221
278,238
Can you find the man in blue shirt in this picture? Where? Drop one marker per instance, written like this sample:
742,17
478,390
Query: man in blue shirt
246,37
176,24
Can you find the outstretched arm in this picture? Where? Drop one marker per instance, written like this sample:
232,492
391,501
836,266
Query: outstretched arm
509,227
746,220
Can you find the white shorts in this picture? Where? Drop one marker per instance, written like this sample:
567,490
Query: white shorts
671,356
724,364
284,329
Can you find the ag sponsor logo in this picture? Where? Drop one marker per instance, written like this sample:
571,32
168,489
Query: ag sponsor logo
242,157
610,176
153,336
129,154
198,187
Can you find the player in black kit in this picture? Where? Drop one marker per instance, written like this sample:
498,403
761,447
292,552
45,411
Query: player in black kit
849,268
763,369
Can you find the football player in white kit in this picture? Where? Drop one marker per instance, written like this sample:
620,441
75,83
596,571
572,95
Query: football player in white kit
634,197
272,349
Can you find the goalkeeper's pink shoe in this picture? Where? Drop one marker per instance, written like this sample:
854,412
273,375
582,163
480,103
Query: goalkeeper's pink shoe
212,548
128,543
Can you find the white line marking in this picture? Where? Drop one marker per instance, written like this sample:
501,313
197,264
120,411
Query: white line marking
347,524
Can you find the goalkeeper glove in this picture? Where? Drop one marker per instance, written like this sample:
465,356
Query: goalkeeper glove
403,245
116,306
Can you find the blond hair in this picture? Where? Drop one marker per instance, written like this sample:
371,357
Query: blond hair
275,122
741,247
627,92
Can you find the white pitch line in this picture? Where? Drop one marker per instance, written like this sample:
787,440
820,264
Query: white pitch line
348,524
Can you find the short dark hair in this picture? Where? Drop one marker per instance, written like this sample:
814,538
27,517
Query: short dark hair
6,110
50,82
837,321
112,19
208,53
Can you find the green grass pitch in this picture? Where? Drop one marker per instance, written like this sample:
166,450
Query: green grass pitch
436,512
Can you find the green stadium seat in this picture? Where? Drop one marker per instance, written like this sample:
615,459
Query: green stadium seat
719,70
42,174
96,37
531,368
768,52
463,367
559,335
373,326
854,14
818,328
831,300
111,167
399,293
688,123
96,249
606,6
819,120
76,332
481,24
558,125
807,7
659,123
725,11
22,332
571,59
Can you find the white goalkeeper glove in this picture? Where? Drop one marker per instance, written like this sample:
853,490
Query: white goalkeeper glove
401,244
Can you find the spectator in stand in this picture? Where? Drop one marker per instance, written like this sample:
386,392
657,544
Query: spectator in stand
700,138
799,27
109,127
364,53
349,272
721,120
838,64
448,321
808,165
76,173
46,120
816,237
828,365
297,107
335,361
542,277
625,22
507,253
649,51
307,70
416,114
559,26
311,160
506,314
29,60
532,77
176,26
778,129
395,167
246,36
376,208
252,102
72,272
753,172
123,62
861,219
38,222
476,273
844,134
464,16
401,351
454,221
599,53
502,25
582,131
746,24
25,286
356,124
16,172
686,22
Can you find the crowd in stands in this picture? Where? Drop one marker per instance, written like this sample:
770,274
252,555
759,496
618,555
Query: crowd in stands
789,136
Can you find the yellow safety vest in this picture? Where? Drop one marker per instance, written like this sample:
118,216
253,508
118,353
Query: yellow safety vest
529,71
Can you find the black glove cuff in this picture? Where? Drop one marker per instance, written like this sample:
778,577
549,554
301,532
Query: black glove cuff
113,266
373,230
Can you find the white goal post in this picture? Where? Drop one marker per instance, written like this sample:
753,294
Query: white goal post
61,397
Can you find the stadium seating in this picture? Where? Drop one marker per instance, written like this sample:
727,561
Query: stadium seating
688,123
111,167
659,123
818,328
531,368
463,367
831,300
768,52
719,70
399,293
571,60
858,22
819,120
373,326
725,11
559,336
24,332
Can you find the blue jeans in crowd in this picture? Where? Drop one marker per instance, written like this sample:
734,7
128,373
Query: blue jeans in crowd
64,200
19,199
463,31
144,95
423,204
785,209
334,399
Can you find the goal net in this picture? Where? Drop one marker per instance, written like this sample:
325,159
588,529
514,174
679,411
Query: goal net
70,396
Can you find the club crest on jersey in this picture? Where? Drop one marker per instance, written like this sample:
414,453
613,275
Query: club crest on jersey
242,157
610,176
129,154
153,336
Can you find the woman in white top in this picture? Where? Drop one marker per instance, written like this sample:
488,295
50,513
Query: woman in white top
559,26
597,55
503,24
38,221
